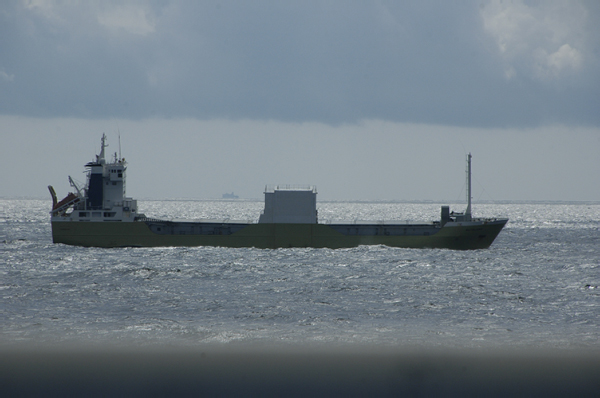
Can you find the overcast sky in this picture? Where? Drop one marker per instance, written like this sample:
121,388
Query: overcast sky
365,99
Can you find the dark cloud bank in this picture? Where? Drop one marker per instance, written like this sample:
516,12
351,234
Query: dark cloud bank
450,63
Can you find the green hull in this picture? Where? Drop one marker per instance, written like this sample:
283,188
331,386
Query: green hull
475,235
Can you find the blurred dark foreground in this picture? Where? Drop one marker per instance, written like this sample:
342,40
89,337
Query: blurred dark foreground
311,372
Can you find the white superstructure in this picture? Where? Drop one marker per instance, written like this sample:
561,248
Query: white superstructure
290,204
103,197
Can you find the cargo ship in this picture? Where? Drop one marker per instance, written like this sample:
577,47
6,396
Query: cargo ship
100,214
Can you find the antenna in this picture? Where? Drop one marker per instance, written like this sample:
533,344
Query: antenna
100,158
119,131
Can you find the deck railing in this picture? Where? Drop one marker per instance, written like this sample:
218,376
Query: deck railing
290,187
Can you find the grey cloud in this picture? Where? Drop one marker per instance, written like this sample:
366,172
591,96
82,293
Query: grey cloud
331,62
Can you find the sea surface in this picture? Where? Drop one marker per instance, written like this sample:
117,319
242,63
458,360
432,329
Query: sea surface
538,286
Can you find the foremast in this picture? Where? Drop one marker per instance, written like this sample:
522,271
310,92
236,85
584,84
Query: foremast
469,196
466,215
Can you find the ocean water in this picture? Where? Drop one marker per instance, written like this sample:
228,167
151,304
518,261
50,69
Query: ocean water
538,286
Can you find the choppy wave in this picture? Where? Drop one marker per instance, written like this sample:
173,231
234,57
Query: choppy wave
537,286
